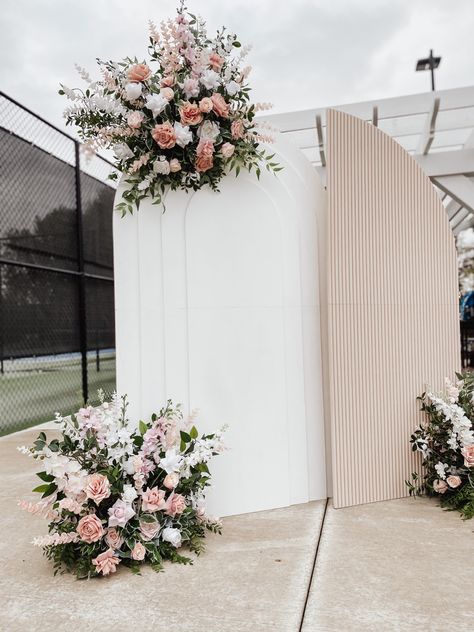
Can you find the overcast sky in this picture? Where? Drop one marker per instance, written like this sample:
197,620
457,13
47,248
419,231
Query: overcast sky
306,53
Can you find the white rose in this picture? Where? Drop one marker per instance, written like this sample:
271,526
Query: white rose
120,513
161,166
183,134
133,91
156,103
129,493
122,151
232,88
173,536
210,79
129,467
208,131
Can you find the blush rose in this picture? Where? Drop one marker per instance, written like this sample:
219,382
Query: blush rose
106,562
220,105
90,528
190,113
164,135
153,499
468,454
97,488
139,72
175,505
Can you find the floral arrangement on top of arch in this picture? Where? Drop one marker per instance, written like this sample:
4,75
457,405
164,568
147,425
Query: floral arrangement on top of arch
446,443
116,494
181,122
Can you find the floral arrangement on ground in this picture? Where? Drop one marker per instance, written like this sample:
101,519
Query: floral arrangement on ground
446,443
116,494
181,121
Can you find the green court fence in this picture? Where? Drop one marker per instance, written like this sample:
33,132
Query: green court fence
57,331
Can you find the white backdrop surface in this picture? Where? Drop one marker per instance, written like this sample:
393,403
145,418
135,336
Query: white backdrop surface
217,307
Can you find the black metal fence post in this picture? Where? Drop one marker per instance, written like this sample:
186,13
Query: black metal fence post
82,277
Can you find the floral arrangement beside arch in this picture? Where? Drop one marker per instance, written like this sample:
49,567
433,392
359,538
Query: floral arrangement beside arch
180,121
117,495
446,444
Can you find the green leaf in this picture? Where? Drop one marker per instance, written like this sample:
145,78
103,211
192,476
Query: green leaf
185,436
193,433
48,478
41,489
142,426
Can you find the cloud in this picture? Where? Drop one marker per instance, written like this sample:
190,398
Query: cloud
306,53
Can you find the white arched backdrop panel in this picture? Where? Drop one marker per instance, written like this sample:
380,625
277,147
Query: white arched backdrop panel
217,306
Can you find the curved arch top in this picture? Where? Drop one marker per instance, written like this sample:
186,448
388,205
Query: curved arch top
392,306
217,306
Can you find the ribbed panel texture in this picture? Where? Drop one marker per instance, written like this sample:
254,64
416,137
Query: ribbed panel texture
393,322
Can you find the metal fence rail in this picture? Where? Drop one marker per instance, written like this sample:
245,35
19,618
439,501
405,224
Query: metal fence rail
57,331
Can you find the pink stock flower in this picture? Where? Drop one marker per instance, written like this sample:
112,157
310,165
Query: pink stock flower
221,107
153,499
175,505
139,72
97,488
90,528
106,562
468,454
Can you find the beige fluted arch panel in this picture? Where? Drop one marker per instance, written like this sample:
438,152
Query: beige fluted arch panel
392,306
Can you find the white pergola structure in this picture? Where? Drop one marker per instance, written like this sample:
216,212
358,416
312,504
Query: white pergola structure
437,128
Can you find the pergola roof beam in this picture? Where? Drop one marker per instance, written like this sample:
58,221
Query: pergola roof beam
428,133
460,188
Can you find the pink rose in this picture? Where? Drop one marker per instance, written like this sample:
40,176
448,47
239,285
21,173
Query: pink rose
167,82
175,505
204,163
164,135
135,119
453,481
175,165
171,480
113,538
227,150
190,113
220,105
440,486
215,61
237,129
205,148
153,499
168,93
205,105
90,528
149,529
139,72
106,563
97,488
468,454
138,552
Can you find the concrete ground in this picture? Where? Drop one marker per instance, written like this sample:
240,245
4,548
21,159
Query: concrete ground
401,565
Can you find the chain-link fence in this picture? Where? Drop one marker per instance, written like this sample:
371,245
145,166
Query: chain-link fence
57,333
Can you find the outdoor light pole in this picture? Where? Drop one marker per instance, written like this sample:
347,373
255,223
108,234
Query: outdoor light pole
429,63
